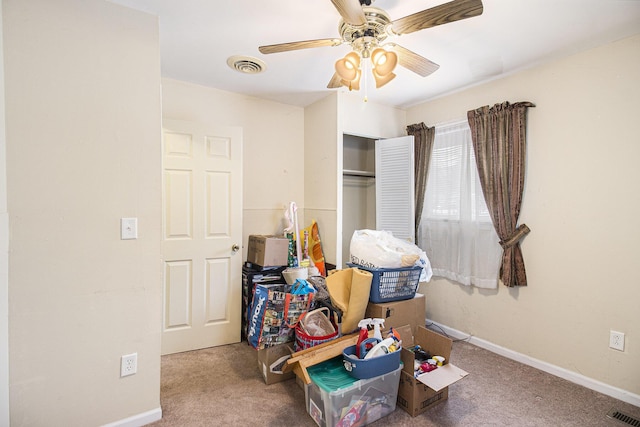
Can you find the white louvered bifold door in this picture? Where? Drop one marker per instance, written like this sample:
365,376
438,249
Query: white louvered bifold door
395,203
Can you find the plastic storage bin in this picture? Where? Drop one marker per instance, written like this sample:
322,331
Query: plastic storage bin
369,368
392,284
336,399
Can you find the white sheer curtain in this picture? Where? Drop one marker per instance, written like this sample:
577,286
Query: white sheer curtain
456,230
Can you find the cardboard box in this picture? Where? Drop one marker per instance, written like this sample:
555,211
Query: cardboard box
271,360
399,313
267,251
416,395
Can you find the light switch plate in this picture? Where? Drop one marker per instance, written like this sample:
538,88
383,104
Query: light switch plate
128,228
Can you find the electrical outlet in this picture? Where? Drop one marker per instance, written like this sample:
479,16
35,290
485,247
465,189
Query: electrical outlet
128,364
616,340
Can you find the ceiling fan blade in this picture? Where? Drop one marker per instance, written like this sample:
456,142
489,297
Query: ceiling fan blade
351,11
284,47
335,82
443,14
414,62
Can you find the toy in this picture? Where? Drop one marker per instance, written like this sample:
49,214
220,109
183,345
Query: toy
420,354
397,340
427,367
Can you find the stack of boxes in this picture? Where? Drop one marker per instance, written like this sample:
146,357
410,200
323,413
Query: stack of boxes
265,264
267,258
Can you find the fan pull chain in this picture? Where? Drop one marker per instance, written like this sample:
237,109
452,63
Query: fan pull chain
365,79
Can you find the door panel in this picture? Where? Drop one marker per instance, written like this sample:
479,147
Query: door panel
202,214
178,292
217,209
178,208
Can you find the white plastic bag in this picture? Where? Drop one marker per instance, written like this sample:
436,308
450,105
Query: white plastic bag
380,249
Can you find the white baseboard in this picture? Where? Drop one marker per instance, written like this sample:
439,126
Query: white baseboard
138,420
574,377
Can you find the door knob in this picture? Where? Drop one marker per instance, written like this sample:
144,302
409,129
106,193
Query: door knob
235,248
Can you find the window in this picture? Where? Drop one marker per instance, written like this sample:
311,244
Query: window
455,229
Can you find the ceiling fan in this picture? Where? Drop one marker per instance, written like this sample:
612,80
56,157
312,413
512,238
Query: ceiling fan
367,28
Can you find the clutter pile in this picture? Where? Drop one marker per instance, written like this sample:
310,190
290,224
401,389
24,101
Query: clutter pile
424,362
354,337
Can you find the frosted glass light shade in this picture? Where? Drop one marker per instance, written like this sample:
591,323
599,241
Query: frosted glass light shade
382,80
384,62
347,67
353,84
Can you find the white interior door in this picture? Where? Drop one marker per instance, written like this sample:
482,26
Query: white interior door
202,234
395,199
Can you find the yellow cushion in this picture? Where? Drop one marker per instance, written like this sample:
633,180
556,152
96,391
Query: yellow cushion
349,290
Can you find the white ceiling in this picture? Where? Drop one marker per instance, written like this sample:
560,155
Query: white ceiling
197,37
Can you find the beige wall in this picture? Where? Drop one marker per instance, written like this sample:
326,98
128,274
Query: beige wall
581,202
321,170
4,255
273,148
369,119
82,82
325,123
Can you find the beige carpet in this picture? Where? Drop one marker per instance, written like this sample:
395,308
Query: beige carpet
222,387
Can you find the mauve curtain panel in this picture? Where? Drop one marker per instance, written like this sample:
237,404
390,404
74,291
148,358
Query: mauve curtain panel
423,137
499,143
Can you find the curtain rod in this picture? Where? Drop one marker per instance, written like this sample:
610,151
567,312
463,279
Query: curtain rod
453,122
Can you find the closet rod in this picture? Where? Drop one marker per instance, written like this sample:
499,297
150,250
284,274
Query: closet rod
363,174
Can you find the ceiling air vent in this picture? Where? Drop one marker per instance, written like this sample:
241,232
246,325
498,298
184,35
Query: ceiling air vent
246,64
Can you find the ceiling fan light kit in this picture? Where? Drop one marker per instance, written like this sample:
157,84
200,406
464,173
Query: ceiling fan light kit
383,63
366,28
